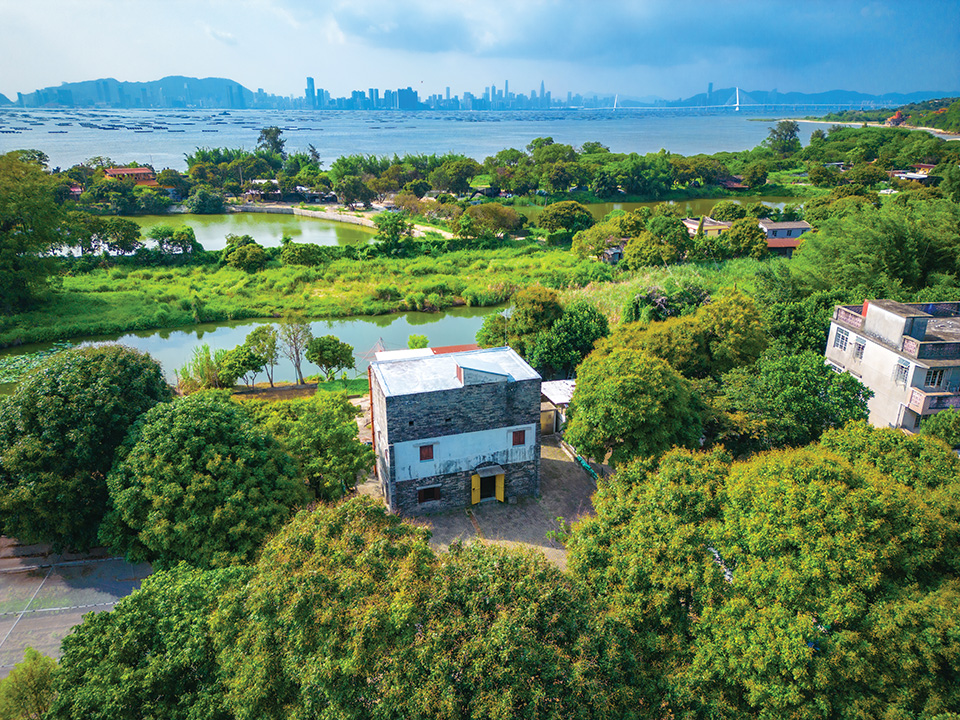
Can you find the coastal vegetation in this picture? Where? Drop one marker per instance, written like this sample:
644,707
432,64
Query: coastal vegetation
942,114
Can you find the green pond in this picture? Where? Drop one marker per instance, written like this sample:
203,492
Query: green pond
266,228
172,348
692,208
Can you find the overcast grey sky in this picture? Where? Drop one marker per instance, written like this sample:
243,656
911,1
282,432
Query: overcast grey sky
670,49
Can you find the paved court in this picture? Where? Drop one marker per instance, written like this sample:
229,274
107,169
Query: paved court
43,596
565,490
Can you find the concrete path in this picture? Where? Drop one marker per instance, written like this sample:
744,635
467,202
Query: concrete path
339,214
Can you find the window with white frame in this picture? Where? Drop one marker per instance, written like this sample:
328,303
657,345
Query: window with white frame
841,338
934,378
901,372
858,347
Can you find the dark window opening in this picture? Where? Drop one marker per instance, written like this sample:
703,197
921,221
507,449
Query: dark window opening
428,494
488,487
410,423
519,437
426,453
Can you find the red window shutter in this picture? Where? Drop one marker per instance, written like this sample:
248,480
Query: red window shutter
426,452
519,437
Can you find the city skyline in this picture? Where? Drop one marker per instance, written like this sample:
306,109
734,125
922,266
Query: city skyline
223,93
642,49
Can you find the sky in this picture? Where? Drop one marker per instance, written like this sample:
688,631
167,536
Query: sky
637,48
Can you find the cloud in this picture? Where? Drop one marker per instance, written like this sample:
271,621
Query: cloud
220,36
647,34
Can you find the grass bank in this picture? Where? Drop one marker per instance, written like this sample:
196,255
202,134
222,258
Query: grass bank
121,299
610,298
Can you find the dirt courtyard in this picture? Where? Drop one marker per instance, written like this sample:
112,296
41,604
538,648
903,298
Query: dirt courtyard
565,491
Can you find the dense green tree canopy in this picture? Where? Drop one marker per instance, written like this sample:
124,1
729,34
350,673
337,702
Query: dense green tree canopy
243,253
811,583
784,137
494,218
320,433
351,614
58,435
535,309
944,425
204,200
197,481
559,350
27,691
330,355
631,404
30,221
877,251
647,249
745,238
787,400
95,234
566,215
152,656
351,190
721,335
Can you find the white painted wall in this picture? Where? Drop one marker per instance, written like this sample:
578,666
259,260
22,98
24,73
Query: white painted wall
876,371
464,452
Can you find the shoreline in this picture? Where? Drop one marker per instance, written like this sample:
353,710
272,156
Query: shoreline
351,217
934,131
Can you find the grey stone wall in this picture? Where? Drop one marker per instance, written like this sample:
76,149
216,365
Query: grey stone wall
460,410
520,480
452,412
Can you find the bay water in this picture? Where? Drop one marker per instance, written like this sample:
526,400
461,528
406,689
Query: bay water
163,138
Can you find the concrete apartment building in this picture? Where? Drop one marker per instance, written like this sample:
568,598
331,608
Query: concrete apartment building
454,429
907,353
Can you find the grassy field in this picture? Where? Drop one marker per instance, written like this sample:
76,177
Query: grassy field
610,298
118,300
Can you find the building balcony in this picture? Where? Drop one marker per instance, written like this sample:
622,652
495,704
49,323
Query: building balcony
925,402
848,317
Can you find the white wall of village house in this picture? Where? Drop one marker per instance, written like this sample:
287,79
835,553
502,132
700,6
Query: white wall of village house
876,369
463,452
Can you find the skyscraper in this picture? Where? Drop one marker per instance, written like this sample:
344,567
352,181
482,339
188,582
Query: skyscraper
542,94
311,95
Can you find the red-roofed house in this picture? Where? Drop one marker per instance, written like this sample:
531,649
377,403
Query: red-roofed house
141,175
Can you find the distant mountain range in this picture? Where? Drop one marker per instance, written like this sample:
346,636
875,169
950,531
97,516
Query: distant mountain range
728,96
170,92
220,93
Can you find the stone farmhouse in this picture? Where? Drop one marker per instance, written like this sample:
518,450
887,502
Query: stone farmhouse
907,353
454,429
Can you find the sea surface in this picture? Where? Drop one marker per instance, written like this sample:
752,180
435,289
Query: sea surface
163,138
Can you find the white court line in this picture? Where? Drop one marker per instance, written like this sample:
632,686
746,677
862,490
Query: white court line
22,612
58,609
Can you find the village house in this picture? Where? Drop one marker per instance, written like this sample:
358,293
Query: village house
907,353
784,237
711,227
453,429
141,176
613,254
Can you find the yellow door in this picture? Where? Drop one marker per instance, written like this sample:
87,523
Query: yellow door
500,488
475,490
